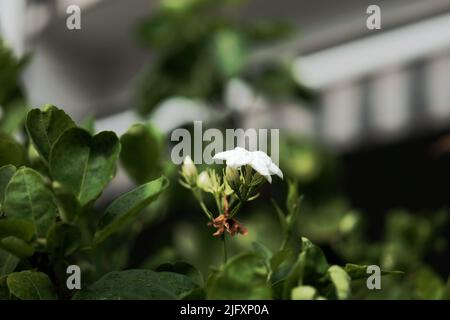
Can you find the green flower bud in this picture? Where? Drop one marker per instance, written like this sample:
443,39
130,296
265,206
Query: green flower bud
189,171
204,182
233,178
210,181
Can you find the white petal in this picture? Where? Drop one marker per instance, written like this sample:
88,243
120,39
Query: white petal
273,169
262,156
260,167
235,158
223,155
237,161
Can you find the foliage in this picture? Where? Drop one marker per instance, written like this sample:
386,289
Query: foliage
48,215
49,221
12,100
212,47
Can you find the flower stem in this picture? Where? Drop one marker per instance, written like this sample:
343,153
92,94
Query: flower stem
198,196
225,251
236,208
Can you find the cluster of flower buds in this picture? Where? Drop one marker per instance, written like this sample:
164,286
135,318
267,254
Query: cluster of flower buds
245,172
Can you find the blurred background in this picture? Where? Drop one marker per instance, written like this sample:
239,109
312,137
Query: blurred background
364,115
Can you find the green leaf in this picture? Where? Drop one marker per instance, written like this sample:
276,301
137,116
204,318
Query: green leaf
279,257
30,285
446,292
68,206
183,268
83,163
20,228
4,291
341,281
292,200
303,293
138,285
88,124
194,294
262,251
8,262
281,216
310,266
27,197
63,239
128,206
141,153
14,114
45,126
230,52
10,69
17,247
428,285
244,277
6,173
11,152
357,272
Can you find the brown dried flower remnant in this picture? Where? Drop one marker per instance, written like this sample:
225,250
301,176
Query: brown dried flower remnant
224,223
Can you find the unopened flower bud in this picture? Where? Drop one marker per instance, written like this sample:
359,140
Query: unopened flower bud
233,178
189,171
204,181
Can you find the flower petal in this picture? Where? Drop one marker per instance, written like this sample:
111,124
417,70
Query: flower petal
262,156
223,155
274,169
259,166
235,158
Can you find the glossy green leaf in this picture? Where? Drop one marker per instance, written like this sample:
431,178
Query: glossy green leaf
184,269
45,126
8,262
68,205
262,251
244,277
279,257
310,266
125,208
20,228
88,124
17,247
141,153
83,163
27,197
14,114
6,173
30,285
4,291
138,285
11,152
63,239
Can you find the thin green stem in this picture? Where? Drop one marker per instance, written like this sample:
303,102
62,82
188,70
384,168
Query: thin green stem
219,205
236,208
202,205
225,251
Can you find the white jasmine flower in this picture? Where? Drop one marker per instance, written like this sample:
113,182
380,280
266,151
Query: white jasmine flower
258,160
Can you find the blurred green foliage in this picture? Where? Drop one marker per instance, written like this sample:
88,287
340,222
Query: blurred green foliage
198,45
12,99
